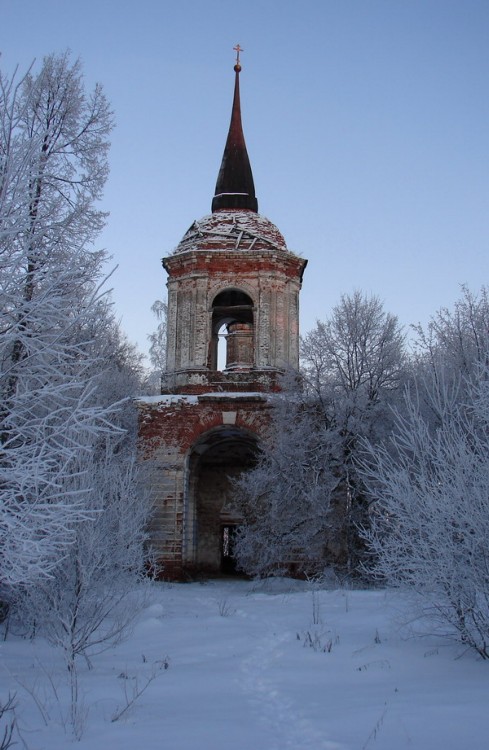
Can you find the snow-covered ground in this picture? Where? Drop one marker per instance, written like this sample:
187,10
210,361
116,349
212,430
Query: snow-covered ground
259,667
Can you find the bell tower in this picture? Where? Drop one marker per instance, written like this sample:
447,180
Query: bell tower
233,328
232,279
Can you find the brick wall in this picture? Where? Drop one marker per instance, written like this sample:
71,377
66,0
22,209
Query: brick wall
174,433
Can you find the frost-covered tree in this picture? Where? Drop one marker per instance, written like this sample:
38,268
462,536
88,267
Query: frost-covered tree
429,483
450,352
157,348
286,498
53,165
355,365
305,497
430,516
72,517
91,601
354,362
157,339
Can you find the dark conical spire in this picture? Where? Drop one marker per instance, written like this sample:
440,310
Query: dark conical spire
235,187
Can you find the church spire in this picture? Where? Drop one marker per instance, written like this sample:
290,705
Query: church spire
235,187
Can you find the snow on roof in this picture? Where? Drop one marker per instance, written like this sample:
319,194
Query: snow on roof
167,398
232,230
238,395
176,398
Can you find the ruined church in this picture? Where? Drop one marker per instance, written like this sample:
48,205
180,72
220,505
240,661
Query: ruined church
233,327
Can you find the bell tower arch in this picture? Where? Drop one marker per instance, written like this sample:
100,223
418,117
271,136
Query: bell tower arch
233,311
231,278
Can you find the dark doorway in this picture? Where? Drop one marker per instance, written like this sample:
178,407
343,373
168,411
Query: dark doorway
218,457
228,537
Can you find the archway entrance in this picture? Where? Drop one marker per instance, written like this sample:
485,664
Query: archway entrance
217,458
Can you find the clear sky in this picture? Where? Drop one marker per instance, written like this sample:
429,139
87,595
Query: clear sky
366,122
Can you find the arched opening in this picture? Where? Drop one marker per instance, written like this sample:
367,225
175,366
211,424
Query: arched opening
217,458
233,339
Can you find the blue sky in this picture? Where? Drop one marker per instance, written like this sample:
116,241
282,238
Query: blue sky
366,121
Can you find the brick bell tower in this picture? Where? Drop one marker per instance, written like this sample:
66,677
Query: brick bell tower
233,328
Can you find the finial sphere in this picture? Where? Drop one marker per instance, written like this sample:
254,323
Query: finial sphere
237,67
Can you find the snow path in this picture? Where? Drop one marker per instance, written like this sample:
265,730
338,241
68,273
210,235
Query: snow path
290,729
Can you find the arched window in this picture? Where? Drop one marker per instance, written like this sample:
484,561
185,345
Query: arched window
232,321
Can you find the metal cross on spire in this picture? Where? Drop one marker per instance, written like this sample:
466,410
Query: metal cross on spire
238,49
